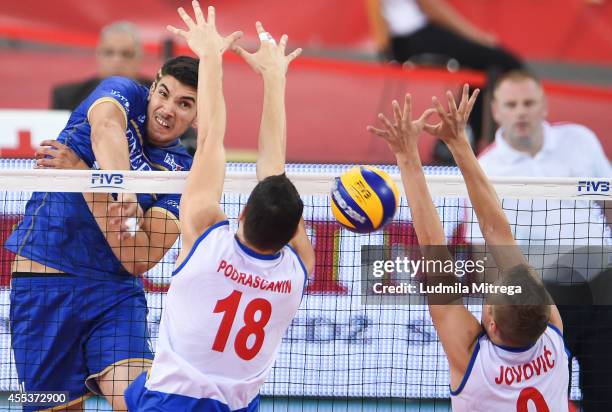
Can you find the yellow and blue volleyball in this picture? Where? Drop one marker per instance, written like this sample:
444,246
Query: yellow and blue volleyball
364,199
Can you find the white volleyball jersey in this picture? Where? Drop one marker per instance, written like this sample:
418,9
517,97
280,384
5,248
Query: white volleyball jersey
499,378
226,312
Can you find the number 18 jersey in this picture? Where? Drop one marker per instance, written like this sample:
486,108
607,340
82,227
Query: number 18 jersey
226,312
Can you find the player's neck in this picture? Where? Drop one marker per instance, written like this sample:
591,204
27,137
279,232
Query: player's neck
500,342
496,340
242,239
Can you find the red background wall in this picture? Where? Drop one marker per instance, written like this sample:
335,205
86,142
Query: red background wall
566,30
329,102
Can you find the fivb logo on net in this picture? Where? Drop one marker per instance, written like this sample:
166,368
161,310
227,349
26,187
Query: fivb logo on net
594,187
107,180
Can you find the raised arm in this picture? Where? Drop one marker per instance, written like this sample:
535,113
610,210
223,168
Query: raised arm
108,125
491,218
455,325
271,63
199,207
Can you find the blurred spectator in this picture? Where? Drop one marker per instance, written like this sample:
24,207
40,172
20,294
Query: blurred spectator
433,32
119,53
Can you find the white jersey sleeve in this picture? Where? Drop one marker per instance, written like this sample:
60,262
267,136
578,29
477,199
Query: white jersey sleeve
226,312
529,379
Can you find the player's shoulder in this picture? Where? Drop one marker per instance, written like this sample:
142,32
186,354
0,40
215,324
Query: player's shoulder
120,81
296,261
572,133
173,157
569,127
130,95
488,152
122,88
575,140
214,240
491,156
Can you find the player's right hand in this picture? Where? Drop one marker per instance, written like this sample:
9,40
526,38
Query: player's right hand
270,58
451,128
402,135
54,155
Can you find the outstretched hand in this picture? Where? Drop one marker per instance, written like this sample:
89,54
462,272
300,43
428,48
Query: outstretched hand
402,135
451,127
202,36
270,58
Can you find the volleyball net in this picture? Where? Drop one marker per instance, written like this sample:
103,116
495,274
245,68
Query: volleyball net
340,345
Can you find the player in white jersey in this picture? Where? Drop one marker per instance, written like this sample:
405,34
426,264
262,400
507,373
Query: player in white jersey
232,295
515,360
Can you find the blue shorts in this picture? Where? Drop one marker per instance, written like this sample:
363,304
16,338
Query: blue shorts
66,330
139,398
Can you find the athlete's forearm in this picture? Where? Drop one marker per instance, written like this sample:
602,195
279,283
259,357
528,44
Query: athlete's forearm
211,103
211,112
425,217
139,251
491,218
273,127
428,228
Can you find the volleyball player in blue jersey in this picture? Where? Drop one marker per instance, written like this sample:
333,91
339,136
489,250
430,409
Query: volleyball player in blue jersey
78,310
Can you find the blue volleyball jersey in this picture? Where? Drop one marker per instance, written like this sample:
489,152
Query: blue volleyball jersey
58,229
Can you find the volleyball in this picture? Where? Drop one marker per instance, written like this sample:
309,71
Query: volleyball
364,199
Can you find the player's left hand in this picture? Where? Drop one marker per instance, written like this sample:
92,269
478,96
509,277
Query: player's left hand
402,135
131,225
202,36
54,155
451,128
270,58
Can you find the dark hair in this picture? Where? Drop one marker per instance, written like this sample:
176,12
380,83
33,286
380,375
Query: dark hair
523,317
272,213
515,75
182,68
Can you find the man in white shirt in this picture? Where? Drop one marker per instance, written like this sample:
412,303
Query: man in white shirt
526,145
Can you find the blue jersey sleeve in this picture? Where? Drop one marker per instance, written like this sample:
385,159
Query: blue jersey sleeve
170,203
129,96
